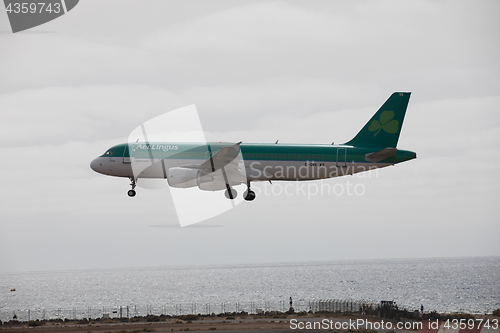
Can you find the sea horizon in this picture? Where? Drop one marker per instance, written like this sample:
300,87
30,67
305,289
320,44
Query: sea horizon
249,263
450,284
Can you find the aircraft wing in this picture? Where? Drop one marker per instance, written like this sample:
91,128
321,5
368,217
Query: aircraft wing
221,171
223,157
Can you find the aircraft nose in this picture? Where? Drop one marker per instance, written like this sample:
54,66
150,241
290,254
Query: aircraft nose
95,165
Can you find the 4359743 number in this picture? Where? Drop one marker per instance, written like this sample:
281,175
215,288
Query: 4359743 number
33,7
463,324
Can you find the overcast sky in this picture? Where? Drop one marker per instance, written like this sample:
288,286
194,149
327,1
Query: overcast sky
258,71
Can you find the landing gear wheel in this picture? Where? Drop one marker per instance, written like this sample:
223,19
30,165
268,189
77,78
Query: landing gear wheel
234,194
131,193
249,195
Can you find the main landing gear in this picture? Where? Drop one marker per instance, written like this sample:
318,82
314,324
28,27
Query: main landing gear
249,195
131,193
231,193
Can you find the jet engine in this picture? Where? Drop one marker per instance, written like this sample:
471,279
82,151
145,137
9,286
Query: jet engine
182,177
213,181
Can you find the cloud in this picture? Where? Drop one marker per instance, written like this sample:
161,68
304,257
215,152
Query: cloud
258,72
350,43
62,114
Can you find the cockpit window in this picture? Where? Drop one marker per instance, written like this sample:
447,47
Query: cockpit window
108,153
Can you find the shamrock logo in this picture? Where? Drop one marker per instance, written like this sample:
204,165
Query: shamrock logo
386,123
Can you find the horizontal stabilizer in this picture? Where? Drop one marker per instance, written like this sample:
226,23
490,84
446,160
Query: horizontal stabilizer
381,155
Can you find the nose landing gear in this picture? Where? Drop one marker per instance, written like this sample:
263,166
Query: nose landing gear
131,193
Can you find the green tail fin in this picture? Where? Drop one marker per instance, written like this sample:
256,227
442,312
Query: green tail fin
385,126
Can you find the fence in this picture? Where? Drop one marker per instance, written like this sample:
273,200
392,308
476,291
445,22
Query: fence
130,311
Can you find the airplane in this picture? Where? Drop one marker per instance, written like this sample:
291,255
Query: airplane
220,166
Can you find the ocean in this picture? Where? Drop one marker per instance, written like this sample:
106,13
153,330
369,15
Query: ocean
442,284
